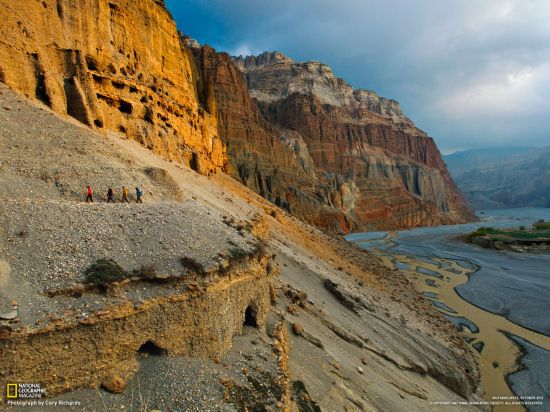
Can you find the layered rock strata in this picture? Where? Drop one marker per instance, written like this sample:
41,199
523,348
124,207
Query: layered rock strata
353,310
354,160
175,317
193,276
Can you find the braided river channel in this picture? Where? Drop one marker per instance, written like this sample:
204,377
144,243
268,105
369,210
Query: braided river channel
499,300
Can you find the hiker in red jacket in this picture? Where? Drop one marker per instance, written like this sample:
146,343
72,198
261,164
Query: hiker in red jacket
89,194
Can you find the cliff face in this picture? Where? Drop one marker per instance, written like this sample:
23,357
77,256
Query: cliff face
334,156
113,65
201,279
295,133
274,76
262,158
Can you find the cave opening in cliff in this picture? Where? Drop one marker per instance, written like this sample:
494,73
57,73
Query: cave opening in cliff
250,317
151,348
91,63
59,9
76,105
40,90
125,107
194,163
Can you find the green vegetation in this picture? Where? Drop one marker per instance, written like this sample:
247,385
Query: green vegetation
237,253
103,272
542,225
521,233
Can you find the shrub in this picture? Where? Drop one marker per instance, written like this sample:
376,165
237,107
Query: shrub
236,252
482,231
103,272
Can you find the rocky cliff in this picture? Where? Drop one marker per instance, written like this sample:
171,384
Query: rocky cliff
295,133
113,65
334,156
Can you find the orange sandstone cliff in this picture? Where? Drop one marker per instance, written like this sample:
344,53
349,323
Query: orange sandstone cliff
114,65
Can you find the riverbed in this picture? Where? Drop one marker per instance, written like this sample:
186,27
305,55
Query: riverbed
499,300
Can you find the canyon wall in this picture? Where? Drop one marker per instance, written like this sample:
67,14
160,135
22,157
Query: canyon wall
113,65
336,157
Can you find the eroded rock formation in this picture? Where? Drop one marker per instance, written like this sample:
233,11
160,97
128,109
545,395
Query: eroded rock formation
296,134
113,65
359,161
177,319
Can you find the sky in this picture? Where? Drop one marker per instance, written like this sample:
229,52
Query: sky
471,73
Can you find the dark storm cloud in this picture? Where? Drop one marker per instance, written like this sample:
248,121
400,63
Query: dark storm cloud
470,73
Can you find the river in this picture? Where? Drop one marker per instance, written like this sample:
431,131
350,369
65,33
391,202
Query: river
499,300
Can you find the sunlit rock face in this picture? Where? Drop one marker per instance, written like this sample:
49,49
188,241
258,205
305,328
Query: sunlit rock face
337,157
114,66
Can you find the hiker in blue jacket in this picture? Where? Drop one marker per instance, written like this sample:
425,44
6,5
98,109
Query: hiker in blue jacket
139,193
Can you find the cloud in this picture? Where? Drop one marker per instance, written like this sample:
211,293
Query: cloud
469,73
243,50
507,94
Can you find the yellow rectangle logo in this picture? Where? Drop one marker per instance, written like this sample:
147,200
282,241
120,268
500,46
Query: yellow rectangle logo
11,391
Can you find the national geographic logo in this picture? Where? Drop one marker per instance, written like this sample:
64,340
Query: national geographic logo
24,391
28,395
11,391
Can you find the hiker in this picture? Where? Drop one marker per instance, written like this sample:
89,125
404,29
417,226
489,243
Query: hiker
139,193
110,196
89,194
125,194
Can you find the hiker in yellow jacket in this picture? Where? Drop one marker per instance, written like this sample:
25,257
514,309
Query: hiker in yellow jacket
125,194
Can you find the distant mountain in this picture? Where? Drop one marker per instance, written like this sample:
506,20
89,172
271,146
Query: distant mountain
461,162
503,177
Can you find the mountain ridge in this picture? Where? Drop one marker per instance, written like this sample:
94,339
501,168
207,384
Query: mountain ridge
358,98
382,147
508,177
